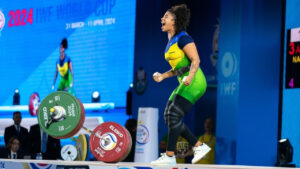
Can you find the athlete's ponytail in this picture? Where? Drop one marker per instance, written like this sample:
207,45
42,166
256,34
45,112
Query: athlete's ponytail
181,15
64,43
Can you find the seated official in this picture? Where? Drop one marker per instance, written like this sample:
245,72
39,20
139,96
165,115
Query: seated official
13,149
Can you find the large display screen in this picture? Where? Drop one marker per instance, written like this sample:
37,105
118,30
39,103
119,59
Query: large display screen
100,36
292,77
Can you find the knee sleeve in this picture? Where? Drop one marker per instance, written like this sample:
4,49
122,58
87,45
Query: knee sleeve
175,111
173,117
167,107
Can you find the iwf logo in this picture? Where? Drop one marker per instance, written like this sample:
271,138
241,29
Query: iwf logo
2,20
229,64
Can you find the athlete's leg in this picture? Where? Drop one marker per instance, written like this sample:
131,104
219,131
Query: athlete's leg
68,85
61,86
166,159
178,108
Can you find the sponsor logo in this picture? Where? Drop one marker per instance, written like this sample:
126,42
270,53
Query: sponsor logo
142,136
108,141
37,165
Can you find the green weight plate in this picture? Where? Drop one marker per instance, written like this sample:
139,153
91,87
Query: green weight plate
59,114
80,123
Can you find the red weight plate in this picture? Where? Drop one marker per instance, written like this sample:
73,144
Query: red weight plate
129,139
116,146
34,103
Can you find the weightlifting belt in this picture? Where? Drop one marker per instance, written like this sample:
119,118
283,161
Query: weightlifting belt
182,70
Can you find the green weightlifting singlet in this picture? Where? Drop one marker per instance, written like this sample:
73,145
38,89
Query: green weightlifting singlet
177,59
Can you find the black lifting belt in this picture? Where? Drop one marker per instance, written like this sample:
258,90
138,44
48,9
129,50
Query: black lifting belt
182,70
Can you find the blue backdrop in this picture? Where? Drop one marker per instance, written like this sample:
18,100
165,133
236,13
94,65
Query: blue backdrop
248,82
101,46
291,97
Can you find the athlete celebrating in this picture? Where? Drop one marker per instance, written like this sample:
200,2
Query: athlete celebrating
182,55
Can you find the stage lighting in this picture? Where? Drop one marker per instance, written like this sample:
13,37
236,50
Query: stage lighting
95,97
284,153
16,97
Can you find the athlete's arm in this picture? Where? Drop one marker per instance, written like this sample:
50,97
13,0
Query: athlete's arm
55,76
71,69
169,74
191,51
158,77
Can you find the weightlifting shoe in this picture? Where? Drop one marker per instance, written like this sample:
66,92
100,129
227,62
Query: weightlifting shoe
165,160
200,152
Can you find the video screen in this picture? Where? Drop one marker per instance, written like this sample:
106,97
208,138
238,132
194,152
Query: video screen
292,77
100,36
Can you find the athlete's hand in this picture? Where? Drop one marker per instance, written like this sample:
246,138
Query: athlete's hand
52,88
186,80
158,77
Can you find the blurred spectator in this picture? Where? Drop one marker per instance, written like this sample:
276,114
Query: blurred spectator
40,142
210,139
16,130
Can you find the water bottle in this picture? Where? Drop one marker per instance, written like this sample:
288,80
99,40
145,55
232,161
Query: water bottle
39,156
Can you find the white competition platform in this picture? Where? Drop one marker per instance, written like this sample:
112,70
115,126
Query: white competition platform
57,164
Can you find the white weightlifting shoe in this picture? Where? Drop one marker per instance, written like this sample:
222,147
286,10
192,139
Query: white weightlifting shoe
165,160
200,152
